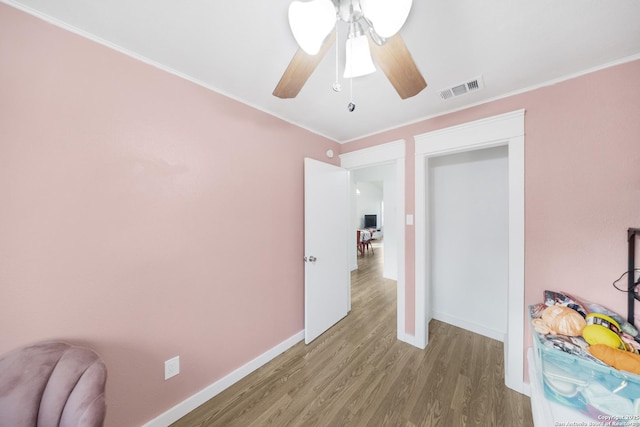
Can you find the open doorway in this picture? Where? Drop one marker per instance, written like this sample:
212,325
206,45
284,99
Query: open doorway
374,210
502,130
392,155
469,244
369,217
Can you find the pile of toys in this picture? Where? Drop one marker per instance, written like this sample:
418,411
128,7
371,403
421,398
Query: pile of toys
586,330
590,357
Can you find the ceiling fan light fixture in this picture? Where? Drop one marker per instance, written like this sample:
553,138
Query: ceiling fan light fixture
311,22
385,16
391,53
359,62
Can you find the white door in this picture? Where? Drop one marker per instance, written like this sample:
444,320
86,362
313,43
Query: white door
327,280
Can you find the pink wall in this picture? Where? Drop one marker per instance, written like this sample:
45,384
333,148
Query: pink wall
582,182
143,215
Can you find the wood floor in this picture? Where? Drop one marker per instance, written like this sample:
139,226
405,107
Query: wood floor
359,374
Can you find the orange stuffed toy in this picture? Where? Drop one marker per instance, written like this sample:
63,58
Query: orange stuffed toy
619,359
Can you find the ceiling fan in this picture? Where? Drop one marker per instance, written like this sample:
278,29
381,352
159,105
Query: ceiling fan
373,27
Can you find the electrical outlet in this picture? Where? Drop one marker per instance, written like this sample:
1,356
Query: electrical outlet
171,367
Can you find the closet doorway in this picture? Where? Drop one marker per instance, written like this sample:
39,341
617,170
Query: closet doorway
469,246
502,130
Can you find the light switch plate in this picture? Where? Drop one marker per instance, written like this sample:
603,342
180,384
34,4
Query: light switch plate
171,367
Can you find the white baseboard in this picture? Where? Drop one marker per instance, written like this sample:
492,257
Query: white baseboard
470,326
411,340
191,403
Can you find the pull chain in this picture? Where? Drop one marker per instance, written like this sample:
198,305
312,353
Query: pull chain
351,105
336,85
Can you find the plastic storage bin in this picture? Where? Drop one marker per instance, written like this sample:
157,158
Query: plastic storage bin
607,395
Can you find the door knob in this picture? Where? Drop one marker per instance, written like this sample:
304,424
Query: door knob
312,258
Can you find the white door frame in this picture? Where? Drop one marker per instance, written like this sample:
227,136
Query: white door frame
505,129
391,152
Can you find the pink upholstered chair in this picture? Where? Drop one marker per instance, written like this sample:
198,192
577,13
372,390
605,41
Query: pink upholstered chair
52,384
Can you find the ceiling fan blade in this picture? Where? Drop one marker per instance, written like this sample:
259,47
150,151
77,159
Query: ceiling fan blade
300,68
397,64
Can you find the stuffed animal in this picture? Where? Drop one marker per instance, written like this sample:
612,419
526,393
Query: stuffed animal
619,359
561,320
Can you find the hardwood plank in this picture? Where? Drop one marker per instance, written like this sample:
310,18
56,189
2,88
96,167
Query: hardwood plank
359,374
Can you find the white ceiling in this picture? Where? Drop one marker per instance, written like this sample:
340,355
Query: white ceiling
240,49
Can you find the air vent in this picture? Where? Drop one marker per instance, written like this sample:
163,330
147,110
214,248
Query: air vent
462,88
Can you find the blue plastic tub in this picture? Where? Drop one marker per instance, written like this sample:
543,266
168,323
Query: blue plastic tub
605,394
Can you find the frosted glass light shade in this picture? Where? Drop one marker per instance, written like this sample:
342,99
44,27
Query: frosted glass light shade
311,22
387,17
359,61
